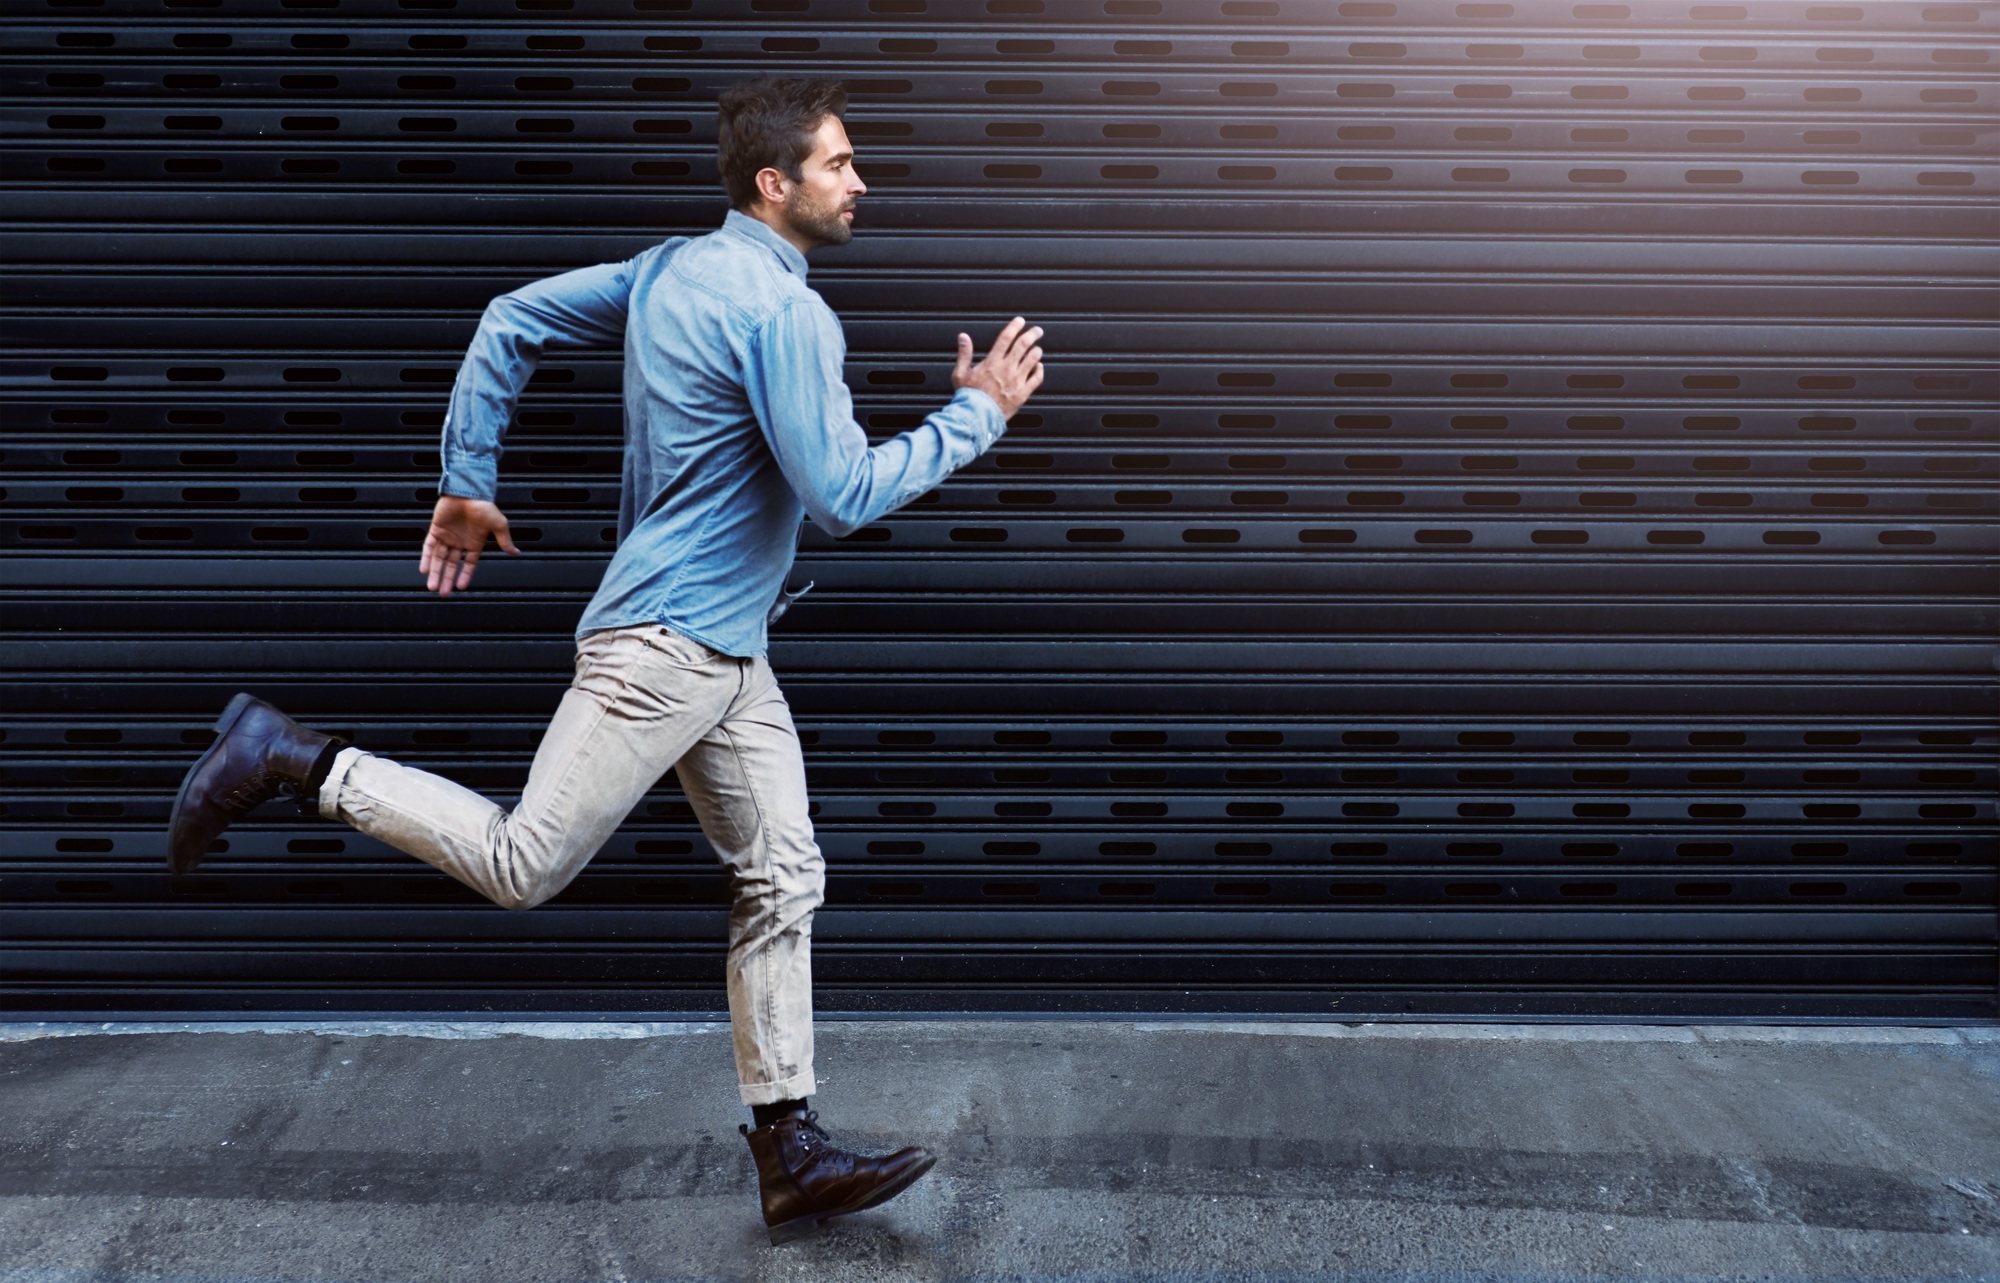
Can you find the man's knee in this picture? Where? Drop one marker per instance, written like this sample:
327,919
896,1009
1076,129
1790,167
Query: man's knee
514,897
783,895
526,873
806,881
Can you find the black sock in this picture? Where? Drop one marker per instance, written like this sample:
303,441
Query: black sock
765,1115
321,767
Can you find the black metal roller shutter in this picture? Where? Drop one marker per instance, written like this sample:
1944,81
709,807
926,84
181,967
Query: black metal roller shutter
1509,529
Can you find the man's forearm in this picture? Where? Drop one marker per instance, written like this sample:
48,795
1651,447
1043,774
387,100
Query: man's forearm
914,463
498,364
585,306
845,484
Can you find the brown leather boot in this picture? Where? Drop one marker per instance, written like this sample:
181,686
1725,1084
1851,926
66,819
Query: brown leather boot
805,1180
258,754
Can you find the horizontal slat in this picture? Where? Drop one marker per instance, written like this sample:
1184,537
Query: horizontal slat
142,253
1161,335
1548,572
308,210
1028,927
1054,655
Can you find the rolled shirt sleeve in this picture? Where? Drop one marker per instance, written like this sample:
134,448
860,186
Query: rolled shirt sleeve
587,306
795,376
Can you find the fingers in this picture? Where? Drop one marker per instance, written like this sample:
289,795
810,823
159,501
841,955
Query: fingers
1005,342
440,565
1024,341
431,564
1012,366
1027,373
1025,387
1015,340
451,550
962,371
471,559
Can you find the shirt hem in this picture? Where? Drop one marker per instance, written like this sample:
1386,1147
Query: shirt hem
670,622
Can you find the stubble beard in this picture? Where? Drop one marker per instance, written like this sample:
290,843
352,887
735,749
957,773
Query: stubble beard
822,223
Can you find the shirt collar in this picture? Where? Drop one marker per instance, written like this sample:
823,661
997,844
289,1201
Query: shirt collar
744,225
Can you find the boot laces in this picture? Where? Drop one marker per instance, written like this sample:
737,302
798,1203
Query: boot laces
809,1123
817,1149
253,792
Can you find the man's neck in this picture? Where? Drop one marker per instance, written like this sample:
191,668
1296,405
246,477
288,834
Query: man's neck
769,216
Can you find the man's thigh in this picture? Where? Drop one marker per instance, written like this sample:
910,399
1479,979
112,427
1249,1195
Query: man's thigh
746,779
642,696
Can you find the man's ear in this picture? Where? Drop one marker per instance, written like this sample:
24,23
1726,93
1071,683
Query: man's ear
771,185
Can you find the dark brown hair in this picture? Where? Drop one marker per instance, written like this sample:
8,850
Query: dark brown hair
769,124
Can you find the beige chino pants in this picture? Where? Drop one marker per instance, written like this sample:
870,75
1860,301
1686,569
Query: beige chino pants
645,700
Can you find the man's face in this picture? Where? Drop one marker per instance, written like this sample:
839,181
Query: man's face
819,207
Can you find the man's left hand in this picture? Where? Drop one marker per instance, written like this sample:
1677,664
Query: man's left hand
459,531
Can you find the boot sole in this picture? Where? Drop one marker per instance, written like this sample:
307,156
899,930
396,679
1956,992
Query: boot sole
799,1227
230,712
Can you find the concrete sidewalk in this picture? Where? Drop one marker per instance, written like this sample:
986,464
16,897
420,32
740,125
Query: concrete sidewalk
1070,1150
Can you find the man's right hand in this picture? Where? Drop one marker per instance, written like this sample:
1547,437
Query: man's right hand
459,530
1011,371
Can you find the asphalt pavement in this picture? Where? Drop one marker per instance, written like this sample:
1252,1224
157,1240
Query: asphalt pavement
1094,1151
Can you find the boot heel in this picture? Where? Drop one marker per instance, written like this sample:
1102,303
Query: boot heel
796,1228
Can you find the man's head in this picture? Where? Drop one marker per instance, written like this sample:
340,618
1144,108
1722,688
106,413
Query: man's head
786,160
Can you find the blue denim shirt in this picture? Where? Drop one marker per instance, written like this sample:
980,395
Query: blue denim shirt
738,423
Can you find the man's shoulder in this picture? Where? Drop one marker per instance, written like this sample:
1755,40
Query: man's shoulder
740,273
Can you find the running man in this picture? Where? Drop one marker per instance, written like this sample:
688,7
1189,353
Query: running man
737,425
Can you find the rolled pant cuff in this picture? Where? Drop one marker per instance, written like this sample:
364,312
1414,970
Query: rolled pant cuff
336,775
797,1087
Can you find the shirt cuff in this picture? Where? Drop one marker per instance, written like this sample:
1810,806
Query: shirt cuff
470,476
992,424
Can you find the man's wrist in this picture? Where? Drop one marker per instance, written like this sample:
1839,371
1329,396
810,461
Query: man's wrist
987,397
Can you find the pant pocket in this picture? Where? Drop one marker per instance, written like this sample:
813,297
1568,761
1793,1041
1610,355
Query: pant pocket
679,647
